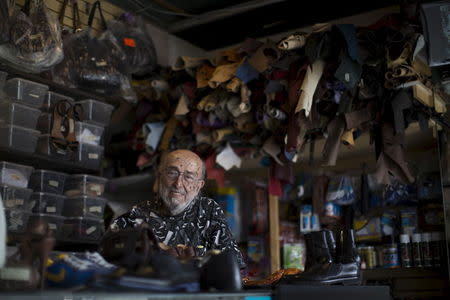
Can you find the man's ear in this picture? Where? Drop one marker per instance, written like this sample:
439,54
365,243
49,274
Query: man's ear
202,184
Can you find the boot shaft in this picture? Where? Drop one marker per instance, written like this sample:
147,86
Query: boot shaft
346,247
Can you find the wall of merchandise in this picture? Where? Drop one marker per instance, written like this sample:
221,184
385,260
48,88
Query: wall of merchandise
54,6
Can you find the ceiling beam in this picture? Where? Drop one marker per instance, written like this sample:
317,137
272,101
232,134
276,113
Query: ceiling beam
220,14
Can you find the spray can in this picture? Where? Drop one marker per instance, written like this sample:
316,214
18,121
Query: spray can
416,251
405,251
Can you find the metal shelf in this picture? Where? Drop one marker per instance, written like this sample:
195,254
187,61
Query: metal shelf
77,94
39,161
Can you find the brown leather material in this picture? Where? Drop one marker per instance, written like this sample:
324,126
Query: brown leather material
335,130
356,118
392,158
264,57
295,83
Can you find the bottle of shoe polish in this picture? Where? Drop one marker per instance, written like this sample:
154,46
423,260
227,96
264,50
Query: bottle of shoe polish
416,251
405,251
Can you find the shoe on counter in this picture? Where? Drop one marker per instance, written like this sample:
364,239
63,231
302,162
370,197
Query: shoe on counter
330,262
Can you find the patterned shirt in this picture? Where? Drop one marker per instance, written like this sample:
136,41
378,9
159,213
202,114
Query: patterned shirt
201,225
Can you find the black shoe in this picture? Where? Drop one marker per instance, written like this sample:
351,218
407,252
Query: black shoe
344,268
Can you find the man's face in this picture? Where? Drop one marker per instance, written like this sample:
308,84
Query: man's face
180,180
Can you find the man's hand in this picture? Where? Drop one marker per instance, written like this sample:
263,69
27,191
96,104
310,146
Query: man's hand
180,251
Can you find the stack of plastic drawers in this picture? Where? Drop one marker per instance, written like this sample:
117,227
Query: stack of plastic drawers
19,111
83,209
47,201
15,195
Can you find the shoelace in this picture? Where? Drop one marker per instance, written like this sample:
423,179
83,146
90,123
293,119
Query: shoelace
99,260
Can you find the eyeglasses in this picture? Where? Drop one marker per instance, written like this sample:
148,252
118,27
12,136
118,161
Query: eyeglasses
173,174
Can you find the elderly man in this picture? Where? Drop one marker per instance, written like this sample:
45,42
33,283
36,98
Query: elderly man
180,215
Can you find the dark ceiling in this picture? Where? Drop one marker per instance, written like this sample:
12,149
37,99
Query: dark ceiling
215,24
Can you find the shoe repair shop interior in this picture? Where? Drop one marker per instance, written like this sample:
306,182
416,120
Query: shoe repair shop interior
323,128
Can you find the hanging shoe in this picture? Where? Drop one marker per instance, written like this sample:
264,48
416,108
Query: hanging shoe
292,42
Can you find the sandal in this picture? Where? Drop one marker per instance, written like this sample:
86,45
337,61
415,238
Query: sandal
75,114
59,124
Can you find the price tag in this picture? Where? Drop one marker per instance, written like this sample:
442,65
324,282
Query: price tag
129,42
93,156
51,209
53,183
91,230
97,209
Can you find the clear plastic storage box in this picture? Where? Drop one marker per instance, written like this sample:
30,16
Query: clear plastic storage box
89,133
14,174
28,92
89,156
51,98
14,197
84,206
47,148
81,229
47,203
44,123
18,114
80,185
96,112
54,222
16,220
18,138
47,181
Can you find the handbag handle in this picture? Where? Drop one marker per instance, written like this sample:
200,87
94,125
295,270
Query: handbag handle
75,14
96,6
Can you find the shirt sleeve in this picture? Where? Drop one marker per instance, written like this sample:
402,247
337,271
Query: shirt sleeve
130,219
220,236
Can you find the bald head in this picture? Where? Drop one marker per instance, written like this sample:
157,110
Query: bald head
184,157
181,178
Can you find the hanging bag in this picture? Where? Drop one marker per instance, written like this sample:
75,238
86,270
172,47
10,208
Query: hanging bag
4,21
137,45
35,43
95,64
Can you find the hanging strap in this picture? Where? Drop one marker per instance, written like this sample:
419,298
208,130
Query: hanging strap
76,24
62,12
26,7
96,6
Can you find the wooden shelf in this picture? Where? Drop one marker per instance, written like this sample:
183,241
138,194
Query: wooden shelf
384,274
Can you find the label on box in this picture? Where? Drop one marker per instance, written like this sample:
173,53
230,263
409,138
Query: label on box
53,183
52,226
34,95
101,63
93,156
96,188
51,209
95,209
14,202
91,230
